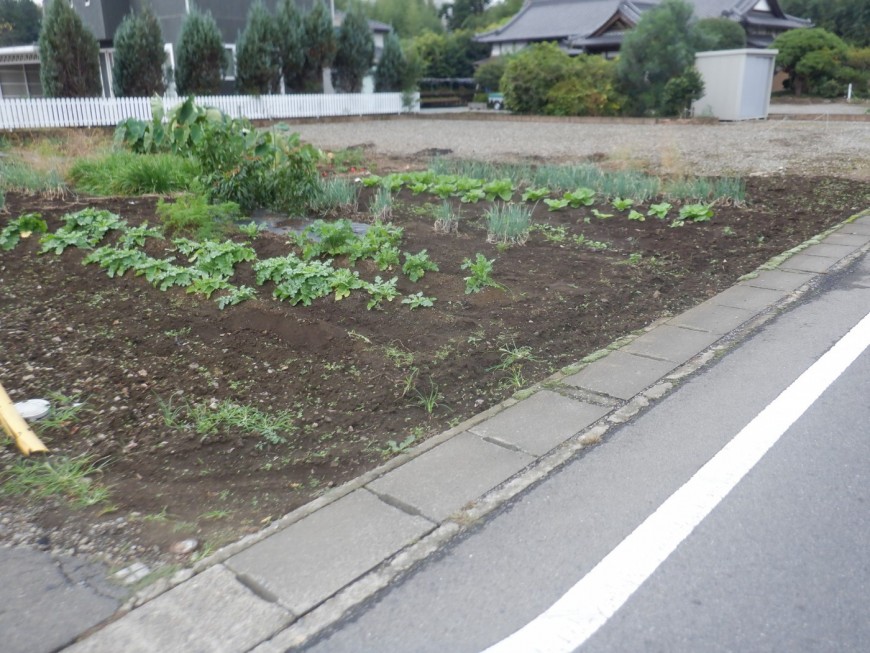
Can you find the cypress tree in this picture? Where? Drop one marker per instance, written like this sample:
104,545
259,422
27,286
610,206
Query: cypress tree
69,54
319,44
139,56
291,34
201,56
258,55
390,73
356,50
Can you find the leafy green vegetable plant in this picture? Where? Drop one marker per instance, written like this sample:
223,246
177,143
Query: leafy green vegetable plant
417,265
480,274
660,210
696,213
622,204
635,215
556,204
580,197
535,194
601,216
502,189
380,290
418,300
21,227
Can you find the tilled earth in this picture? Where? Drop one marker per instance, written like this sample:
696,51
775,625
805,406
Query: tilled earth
130,365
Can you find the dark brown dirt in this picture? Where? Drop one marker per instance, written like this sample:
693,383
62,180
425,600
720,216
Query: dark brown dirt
352,378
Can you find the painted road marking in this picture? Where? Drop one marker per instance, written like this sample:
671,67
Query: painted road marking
587,606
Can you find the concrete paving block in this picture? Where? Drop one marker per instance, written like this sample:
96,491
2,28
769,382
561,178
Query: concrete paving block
44,607
860,227
712,317
748,297
620,374
311,560
840,238
808,263
830,250
779,279
541,422
444,479
211,613
671,343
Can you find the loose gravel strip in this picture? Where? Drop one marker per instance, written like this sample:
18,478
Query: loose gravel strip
745,148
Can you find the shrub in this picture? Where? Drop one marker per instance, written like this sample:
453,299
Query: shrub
658,49
488,75
201,56
258,53
531,74
137,70
589,89
811,57
319,45
719,34
290,42
355,51
69,54
391,73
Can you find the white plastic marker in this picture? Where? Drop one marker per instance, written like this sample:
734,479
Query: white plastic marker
588,605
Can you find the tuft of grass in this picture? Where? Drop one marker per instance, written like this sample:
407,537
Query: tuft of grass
508,224
193,214
68,478
334,194
446,219
727,190
381,206
208,419
126,173
17,176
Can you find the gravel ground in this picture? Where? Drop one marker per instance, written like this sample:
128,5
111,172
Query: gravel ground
745,148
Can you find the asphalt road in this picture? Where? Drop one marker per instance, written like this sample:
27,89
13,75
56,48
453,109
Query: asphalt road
780,564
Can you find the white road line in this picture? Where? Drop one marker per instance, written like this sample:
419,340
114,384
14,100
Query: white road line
586,607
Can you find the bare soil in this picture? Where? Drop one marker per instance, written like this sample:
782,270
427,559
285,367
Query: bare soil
354,379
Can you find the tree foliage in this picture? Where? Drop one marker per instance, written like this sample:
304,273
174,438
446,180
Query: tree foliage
812,58
201,56
660,48
20,21
291,33
137,70
391,73
488,75
355,51
258,53
848,19
719,34
460,12
448,55
319,44
69,54
543,79
408,17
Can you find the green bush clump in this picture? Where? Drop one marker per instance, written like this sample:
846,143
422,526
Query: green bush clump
193,214
239,163
126,173
543,79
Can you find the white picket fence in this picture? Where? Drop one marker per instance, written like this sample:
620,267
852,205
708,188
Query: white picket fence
42,113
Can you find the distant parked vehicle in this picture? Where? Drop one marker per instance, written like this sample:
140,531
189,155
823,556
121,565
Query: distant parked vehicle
495,101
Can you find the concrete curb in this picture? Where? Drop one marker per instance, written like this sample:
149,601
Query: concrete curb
308,569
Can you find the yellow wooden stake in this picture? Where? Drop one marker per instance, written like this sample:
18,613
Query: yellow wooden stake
25,439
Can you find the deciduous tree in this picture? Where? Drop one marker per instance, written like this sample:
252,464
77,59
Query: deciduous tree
20,21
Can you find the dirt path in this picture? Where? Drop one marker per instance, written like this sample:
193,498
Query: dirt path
746,148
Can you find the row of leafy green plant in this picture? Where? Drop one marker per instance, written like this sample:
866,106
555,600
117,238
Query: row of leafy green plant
207,266
534,184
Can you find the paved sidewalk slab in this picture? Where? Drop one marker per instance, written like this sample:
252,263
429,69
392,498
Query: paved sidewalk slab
840,238
45,603
541,422
312,559
808,263
779,279
712,317
620,374
444,479
210,613
860,227
748,297
671,343
830,250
